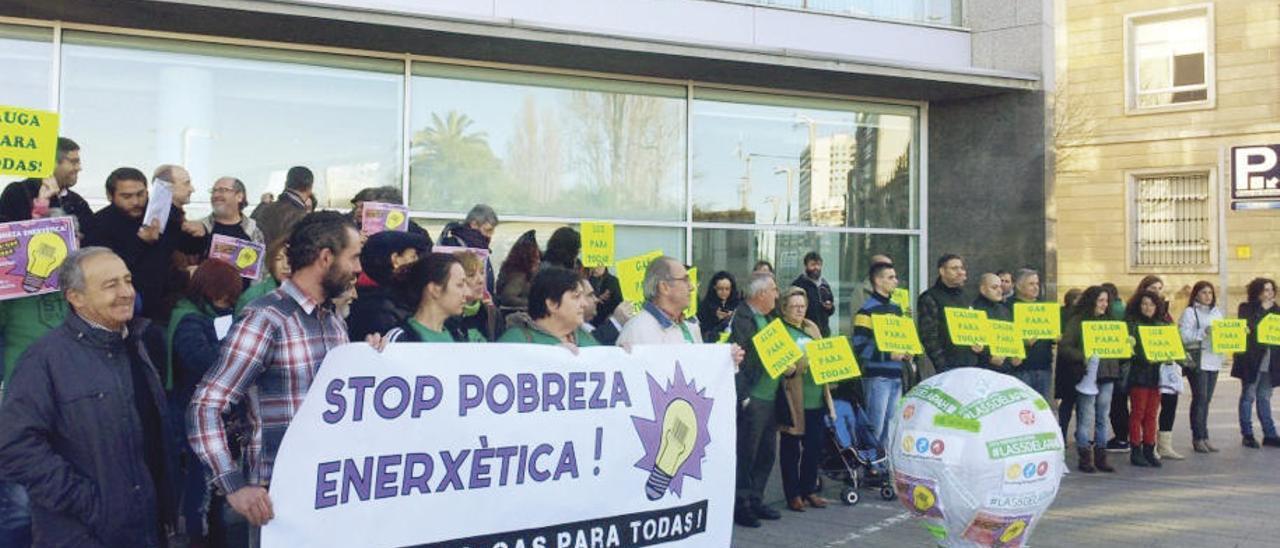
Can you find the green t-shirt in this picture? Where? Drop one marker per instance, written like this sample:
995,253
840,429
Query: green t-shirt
533,336
812,392
427,334
25,320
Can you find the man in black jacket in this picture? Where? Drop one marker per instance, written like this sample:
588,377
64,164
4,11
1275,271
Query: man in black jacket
83,426
947,292
148,250
822,301
19,198
759,398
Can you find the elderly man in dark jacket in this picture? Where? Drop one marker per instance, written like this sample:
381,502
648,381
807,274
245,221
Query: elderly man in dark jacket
947,292
759,400
83,425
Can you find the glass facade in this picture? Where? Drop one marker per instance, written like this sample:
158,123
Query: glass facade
546,145
226,110
761,159
716,177
846,259
27,57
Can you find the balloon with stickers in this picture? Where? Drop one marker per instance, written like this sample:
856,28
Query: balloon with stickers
976,456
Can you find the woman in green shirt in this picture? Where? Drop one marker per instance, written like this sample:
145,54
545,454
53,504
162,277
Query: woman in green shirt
441,285
800,450
555,312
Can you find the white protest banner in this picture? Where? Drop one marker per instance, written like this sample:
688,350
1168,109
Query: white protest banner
487,445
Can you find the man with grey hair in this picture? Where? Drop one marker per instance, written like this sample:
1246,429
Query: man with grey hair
227,199
667,292
475,232
1037,369
83,427
757,395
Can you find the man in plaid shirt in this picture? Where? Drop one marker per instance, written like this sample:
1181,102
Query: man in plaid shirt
271,357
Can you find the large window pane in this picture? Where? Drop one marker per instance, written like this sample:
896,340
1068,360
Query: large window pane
846,259
546,145
223,110
27,57
767,160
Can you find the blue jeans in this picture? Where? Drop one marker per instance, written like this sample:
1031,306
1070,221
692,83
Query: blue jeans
15,516
882,394
1092,414
1037,379
1258,391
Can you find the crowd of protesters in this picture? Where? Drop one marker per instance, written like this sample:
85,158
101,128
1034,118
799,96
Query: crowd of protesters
144,402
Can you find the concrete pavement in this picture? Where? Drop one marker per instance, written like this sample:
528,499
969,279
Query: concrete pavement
1220,500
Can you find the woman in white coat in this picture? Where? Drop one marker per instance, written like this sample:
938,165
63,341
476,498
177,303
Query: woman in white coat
1196,326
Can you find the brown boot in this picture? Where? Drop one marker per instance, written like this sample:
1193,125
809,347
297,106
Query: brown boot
1100,460
1086,460
795,504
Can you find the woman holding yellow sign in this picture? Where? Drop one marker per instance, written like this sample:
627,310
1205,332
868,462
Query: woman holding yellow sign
1146,309
1094,378
800,449
1255,367
1196,326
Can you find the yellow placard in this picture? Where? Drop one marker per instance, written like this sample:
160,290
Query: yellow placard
831,360
1004,339
896,334
631,275
1161,343
1269,330
902,298
1038,320
692,310
776,348
1229,336
597,244
28,142
1107,339
967,326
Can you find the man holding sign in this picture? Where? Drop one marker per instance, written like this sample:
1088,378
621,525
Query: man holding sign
228,199
882,371
1039,325
991,300
947,292
757,409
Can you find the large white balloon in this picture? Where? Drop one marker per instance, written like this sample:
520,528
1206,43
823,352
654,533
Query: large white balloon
977,456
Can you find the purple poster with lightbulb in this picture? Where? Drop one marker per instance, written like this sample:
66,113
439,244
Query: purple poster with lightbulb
30,254
502,444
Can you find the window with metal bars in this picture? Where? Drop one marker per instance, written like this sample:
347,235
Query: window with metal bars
1173,221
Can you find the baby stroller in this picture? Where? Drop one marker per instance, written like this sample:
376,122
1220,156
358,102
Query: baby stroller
856,456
